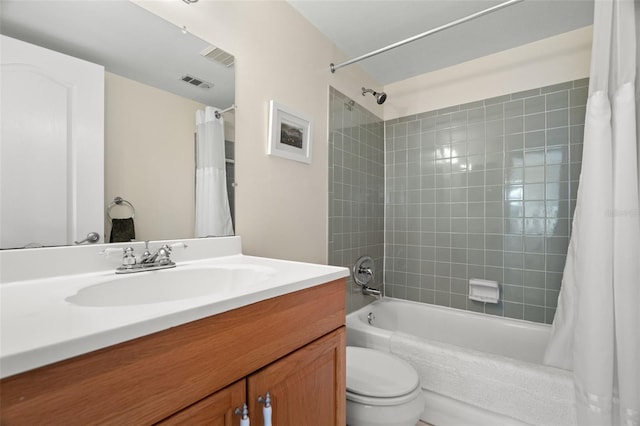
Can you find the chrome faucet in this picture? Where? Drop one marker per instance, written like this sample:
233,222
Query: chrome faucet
363,274
162,256
367,271
147,261
369,291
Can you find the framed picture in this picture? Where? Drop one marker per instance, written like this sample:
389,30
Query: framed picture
289,133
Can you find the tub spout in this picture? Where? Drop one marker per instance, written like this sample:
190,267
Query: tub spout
365,288
372,291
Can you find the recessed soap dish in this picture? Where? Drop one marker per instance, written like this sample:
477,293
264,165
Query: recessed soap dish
484,291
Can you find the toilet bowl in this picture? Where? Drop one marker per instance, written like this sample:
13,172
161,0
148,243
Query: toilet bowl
382,389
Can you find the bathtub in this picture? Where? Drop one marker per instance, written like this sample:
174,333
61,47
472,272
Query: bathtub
475,369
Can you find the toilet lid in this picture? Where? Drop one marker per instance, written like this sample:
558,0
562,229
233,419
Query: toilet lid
379,374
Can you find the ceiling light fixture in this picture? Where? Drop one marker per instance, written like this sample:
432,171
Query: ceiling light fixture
190,1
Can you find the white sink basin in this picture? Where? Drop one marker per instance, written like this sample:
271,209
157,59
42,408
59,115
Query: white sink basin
182,282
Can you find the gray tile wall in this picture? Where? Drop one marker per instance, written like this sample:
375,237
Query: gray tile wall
356,189
484,190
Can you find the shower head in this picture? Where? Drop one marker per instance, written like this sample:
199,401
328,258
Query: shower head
380,96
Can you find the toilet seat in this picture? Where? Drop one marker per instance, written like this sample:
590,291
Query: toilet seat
379,378
382,402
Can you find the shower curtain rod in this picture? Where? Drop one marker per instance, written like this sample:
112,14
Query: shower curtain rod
218,114
334,67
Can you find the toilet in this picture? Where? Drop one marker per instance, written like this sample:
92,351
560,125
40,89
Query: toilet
382,389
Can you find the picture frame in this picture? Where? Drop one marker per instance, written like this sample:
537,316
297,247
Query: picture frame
289,133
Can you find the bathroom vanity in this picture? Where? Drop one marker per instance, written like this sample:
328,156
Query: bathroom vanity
289,342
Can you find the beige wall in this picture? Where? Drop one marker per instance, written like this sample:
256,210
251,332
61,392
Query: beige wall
556,59
149,157
281,205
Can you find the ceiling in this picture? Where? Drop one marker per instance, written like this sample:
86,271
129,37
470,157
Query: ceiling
126,39
360,26
130,41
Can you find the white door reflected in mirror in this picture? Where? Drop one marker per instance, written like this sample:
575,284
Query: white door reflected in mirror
52,146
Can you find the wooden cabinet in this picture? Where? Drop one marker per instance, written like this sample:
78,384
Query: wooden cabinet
215,410
306,387
292,346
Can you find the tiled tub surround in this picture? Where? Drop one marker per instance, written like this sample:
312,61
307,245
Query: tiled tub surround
356,189
485,190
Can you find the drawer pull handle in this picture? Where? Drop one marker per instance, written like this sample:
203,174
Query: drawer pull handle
266,410
244,413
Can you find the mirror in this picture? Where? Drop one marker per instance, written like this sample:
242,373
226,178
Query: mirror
157,75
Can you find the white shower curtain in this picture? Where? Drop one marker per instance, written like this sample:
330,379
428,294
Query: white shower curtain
213,216
596,331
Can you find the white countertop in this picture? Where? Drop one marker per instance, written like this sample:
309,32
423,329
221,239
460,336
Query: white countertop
39,327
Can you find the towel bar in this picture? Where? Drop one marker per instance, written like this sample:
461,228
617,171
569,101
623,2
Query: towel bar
118,201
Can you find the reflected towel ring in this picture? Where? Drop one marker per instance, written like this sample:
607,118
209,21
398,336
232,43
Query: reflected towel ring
119,201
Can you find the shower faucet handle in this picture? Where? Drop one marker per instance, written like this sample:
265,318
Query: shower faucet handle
363,273
363,270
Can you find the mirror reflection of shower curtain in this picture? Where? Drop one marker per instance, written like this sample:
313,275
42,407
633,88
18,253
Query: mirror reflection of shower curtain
213,216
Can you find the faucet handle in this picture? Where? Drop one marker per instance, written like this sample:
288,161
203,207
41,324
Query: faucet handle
164,252
163,255
146,254
111,251
178,245
129,258
365,270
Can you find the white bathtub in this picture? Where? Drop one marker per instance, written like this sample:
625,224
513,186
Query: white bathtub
475,369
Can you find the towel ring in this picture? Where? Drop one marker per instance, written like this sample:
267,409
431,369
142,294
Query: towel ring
119,201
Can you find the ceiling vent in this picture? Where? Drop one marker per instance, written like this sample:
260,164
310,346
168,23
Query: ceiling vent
196,81
218,55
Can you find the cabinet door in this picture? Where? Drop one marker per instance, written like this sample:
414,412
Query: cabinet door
215,410
307,387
